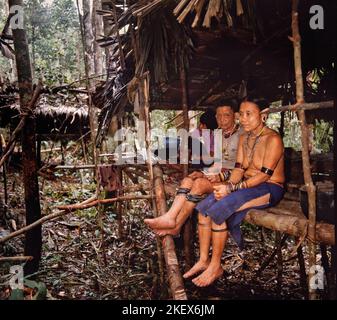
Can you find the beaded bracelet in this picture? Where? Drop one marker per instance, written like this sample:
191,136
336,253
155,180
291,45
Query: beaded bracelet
231,187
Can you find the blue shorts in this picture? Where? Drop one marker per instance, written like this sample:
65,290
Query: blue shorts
226,208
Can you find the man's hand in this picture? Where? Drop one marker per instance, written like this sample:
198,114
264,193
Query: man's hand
220,191
196,175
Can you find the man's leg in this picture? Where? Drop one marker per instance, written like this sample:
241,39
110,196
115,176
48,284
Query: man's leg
200,187
168,220
204,232
214,269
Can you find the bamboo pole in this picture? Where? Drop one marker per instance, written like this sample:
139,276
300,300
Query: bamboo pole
174,275
75,167
311,189
188,231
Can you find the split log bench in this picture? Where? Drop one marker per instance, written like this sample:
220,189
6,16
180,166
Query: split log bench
287,217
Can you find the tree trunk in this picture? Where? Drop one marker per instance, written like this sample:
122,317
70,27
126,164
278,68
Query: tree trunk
32,201
107,29
97,25
89,61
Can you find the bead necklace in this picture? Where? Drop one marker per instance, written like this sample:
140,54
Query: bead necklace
251,154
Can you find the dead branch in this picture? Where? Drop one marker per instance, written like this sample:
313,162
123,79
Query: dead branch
40,221
82,206
14,259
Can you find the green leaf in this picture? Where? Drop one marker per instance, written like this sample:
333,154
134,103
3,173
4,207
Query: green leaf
40,287
16,294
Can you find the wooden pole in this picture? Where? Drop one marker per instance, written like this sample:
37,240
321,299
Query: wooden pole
120,48
174,275
144,94
278,245
4,174
119,204
301,106
38,151
303,274
188,230
311,189
279,261
33,241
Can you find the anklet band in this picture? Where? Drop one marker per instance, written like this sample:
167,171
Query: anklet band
204,224
195,198
183,191
219,230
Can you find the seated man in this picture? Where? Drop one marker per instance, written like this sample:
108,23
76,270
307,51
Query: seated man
256,182
207,121
193,187
199,149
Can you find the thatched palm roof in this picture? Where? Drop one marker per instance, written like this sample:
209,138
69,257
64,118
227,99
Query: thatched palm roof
244,43
54,117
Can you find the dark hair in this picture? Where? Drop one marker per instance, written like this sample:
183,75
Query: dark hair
225,102
261,103
208,119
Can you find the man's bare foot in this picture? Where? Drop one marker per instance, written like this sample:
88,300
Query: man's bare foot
199,266
163,232
162,222
212,273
